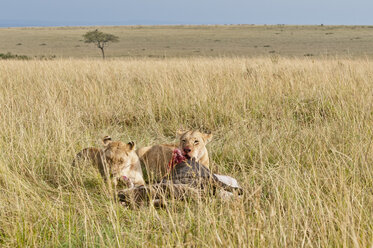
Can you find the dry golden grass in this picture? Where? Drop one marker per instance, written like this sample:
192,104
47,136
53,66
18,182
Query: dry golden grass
296,133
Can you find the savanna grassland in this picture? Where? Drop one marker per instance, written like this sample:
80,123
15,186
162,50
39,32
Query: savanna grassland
192,41
297,133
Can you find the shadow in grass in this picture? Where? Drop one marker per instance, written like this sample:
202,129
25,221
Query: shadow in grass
2,236
92,183
308,111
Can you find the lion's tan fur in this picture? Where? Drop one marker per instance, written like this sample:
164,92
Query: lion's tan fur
157,157
115,160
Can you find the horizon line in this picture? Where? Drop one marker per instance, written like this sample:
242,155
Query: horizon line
172,24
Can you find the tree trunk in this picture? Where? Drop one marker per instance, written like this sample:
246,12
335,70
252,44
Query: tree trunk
103,53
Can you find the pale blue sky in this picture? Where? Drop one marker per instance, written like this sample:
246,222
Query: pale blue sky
148,12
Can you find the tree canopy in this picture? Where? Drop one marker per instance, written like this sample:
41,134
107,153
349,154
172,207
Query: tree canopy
99,38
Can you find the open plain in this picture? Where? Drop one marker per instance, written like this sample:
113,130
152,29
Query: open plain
194,41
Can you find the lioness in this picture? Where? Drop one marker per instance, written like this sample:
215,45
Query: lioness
116,160
157,158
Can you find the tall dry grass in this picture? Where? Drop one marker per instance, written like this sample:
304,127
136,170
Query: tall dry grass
296,133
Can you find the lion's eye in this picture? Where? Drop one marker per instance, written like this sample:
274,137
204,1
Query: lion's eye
183,141
196,142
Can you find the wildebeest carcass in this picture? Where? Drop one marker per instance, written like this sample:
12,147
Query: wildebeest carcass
185,179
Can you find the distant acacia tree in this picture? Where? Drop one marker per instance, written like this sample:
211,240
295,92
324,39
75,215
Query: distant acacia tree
100,39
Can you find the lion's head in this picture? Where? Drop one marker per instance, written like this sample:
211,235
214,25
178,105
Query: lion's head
122,162
193,143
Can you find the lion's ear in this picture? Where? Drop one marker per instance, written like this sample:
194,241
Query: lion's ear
106,140
180,132
207,137
131,145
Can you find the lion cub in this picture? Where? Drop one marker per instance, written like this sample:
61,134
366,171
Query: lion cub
116,160
157,158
